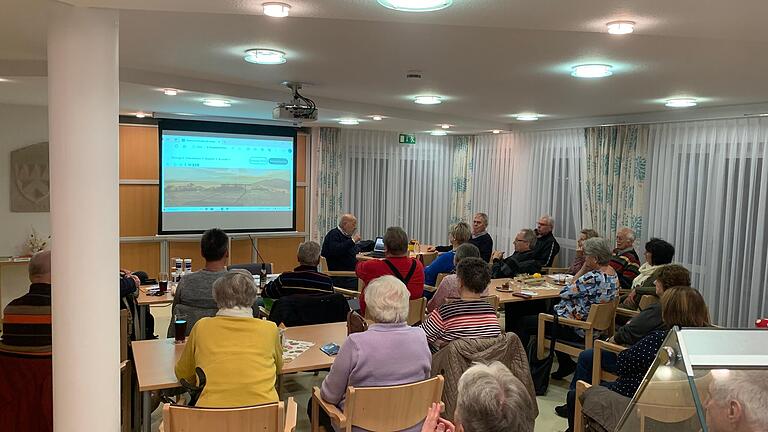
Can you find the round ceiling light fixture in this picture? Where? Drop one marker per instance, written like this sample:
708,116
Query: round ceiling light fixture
445,126
349,122
141,114
377,117
428,100
526,117
681,102
496,131
416,5
276,9
592,71
217,103
438,132
620,27
170,91
264,56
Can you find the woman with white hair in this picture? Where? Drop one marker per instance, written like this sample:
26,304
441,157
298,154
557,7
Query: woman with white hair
490,399
389,353
239,354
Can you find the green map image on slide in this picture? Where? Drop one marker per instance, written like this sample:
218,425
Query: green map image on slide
226,187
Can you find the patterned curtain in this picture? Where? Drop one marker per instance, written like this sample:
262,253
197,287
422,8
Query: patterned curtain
461,179
327,188
615,178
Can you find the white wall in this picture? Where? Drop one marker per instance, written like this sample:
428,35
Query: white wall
20,126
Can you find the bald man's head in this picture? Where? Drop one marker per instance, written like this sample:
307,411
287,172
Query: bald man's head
348,223
625,238
40,267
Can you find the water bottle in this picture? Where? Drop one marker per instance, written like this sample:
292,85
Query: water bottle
187,265
263,276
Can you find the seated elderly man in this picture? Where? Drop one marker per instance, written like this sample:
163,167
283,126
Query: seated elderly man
738,401
396,263
625,260
470,316
194,294
340,250
27,319
304,279
490,399
480,237
546,248
239,354
523,260
389,353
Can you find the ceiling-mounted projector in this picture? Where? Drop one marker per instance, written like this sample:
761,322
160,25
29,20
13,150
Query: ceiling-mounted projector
300,108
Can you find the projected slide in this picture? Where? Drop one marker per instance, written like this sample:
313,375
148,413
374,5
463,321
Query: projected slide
232,181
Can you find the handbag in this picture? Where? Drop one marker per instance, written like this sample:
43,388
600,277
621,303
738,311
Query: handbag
355,323
541,368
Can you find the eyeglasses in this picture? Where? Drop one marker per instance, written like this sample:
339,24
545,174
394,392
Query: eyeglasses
520,240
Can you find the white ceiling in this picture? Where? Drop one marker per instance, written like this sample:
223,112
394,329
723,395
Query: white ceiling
489,58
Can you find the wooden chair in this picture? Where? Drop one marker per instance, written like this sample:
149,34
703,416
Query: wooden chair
253,268
426,258
126,371
602,318
390,408
578,418
629,313
646,301
417,309
341,273
598,374
274,417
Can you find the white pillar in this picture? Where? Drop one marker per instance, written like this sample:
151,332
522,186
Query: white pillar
83,135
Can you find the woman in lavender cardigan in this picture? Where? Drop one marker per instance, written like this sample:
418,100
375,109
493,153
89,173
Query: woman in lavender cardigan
389,353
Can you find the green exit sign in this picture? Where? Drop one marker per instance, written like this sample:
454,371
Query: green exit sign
407,139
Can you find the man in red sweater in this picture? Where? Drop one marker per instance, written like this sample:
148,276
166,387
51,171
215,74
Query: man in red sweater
396,263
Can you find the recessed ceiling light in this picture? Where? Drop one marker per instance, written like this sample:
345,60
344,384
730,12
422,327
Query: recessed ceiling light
349,121
264,56
428,100
218,103
377,117
4,80
170,91
592,71
276,10
416,5
141,114
620,27
496,131
438,132
681,102
526,117
183,114
445,126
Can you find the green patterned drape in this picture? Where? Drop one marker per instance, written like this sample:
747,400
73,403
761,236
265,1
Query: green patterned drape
328,191
615,178
461,179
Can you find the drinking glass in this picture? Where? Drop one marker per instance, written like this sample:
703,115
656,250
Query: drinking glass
162,282
180,327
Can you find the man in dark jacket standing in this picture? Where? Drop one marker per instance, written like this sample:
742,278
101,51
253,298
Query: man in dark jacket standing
340,250
547,247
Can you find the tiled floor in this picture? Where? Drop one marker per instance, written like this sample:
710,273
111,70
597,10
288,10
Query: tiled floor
300,385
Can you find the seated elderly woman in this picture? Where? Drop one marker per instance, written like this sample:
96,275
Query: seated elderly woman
390,352
658,253
468,317
449,287
240,355
458,234
578,261
490,399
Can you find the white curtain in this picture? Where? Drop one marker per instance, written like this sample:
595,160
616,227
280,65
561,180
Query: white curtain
387,183
521,176
708,196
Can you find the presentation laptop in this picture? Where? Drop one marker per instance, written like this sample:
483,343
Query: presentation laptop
378,248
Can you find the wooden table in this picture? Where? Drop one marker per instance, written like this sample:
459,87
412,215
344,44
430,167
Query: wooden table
156,359
422,251
144,300
548,290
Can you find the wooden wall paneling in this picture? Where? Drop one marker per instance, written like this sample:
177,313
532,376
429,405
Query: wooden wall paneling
301,158
240,253
281,252
300,206
186,249
138,152
141,256
138,210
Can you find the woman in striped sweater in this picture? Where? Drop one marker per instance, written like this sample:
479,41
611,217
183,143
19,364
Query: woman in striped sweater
469,317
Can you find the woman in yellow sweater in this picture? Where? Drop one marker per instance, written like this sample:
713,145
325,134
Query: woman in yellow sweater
239,354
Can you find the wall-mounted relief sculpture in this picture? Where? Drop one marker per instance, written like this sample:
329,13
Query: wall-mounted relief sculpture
30,181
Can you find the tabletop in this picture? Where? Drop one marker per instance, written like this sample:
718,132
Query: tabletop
547,290
145,298
413,254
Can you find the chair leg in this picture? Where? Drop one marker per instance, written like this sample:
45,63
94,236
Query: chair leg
578,418
315,415
540,338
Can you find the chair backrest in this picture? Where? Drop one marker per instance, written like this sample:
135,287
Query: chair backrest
323,264
300,309
254,268
391,408
427,258
647,300
261,418
440,277
603,315
26,386
416,310
493,301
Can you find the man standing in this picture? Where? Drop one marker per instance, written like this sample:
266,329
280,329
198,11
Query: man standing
524,259
625,260
547,247
340,250
304,279
27,319
480,237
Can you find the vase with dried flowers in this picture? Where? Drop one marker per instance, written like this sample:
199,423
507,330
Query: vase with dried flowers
35,242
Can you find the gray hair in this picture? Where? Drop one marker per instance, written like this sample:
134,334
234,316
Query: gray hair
550,220
529,236
599,248
387,300
309,253
235,289
461,232
484,217
474,274
40,264
492,399
629,232
749,388
465,250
